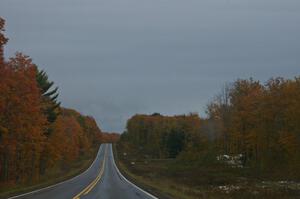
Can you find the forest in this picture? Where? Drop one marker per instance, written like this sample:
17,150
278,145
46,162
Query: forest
258,122
157,136
247,145
37,135
251,129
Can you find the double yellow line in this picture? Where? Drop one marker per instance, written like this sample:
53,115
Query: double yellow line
95,181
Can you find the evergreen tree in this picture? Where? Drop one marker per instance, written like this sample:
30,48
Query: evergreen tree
49,96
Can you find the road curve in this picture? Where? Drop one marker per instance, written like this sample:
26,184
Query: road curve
102,180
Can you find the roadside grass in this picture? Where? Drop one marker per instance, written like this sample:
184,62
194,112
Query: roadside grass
53,176
170,178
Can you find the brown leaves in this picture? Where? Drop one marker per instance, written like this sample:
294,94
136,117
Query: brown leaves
21,118
162,136
109,137
263,122
25,151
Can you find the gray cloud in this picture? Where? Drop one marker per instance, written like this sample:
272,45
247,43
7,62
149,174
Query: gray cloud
115,58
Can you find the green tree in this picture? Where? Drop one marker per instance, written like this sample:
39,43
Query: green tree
49,96
175,143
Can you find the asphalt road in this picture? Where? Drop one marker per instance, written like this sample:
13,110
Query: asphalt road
101,181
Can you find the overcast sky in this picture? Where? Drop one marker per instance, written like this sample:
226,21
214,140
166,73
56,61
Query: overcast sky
114,58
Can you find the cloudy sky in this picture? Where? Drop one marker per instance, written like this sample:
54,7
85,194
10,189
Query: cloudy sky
114,58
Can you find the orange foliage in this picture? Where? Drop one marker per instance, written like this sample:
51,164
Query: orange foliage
261,122
21,120
25,151
109,137
162,136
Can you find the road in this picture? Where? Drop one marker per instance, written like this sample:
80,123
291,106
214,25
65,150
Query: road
102,180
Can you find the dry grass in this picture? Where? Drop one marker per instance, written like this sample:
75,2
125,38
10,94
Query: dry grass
172,179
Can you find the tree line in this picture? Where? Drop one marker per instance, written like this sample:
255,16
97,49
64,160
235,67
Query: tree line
259,122
158,136
36,133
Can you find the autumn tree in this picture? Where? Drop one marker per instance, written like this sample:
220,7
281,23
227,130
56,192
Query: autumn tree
262,123
160,136
107,137
21,120
28,110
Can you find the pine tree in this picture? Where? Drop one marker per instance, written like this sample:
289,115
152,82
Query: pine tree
49,96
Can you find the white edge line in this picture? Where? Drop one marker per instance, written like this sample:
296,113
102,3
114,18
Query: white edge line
145,192
51,186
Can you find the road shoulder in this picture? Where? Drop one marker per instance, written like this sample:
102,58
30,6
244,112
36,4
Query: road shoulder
135,179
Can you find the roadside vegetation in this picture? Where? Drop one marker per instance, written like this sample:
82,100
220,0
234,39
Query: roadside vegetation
247,147
40,142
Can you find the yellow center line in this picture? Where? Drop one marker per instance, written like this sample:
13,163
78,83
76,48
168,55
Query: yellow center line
87,189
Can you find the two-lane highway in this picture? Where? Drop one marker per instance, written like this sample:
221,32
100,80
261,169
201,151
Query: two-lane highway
102,180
